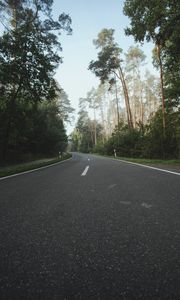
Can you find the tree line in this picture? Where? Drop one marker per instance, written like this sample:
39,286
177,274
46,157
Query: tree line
33,107
133,112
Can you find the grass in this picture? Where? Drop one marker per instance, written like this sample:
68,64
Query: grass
146,161
15,169
151,161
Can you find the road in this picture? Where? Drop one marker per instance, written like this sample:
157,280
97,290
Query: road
90,228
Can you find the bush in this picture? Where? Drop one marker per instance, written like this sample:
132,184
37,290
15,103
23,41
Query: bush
146,141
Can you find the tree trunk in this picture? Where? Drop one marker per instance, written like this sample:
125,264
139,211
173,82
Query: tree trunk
126,96
162,88
142,107
95,129
117,105
103,123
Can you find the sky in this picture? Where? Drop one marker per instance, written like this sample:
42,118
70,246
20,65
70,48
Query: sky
89,17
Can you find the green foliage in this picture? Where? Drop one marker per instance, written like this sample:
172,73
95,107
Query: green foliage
105,38
108,66
159,21
85,130
146,141
126,143
134,58
158,145
83,137
35,164
108,58
171,61
99,148
107,63
48,136
29,57
64,105
152,19
42,132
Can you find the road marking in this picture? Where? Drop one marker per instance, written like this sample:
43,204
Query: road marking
146,205
125,202
149,167
110,187
85,171
34,170
137,164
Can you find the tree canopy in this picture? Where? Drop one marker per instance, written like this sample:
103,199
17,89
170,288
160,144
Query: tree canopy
159,21
29,55
108,65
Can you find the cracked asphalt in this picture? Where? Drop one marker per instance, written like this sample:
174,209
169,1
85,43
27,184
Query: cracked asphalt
113,233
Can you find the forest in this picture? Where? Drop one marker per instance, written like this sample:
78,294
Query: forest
33,106
132,112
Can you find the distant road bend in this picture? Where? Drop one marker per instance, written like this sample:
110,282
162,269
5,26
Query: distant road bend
90,228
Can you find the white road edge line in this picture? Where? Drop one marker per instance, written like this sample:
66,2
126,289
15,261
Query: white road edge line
149,167
85,171
34,170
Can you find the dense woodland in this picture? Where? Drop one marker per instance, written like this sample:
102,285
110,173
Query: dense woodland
133,112
33,107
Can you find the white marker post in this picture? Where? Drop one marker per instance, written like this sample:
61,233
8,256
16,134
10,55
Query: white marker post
114,152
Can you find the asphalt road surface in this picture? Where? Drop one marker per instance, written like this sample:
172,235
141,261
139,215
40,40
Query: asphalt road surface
90,228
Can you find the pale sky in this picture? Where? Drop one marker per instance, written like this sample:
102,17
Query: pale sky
89,17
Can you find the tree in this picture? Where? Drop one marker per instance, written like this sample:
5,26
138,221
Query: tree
101,100
47,135
28,57
156,144
85,132
108,65
93,104
151,94
88,132
158,21
90,101
64,105
134,60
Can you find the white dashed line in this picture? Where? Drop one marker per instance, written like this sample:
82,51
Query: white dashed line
85,171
